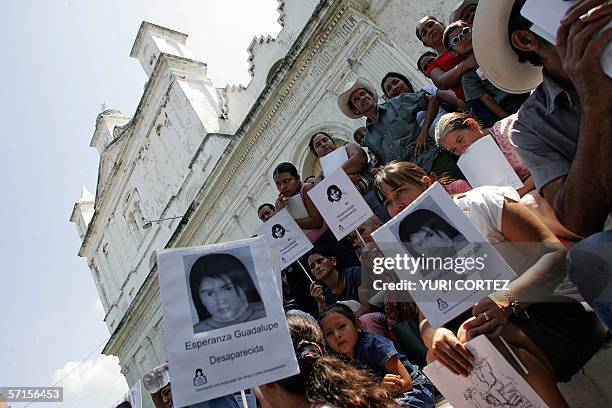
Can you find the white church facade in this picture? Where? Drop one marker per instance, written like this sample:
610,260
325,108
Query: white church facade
200,157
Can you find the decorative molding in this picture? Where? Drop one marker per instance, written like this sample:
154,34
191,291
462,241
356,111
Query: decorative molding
289,101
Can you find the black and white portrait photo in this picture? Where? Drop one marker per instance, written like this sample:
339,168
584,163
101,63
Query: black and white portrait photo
278,231
424,232
223,292
223,310
334,193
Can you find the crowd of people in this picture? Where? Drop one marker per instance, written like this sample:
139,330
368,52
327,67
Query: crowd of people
547,107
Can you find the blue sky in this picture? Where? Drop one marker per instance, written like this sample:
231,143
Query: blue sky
62,60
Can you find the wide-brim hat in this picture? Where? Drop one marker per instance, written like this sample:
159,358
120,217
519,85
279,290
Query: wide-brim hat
343,99
499,62
456,11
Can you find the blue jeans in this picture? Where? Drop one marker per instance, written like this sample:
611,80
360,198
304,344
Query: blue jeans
589,264
421,394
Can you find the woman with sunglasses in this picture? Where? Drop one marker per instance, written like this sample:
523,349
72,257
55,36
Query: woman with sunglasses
559,336
487,102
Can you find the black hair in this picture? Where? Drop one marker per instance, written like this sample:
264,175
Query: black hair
339,308
425,54
331,189
285,167
422,20
220,266
311,143
326,253
275,227
329,378
418,219
415,222
447,32
395,75
264,205
518,23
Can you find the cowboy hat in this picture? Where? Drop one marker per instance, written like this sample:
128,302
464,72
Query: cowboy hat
343,98
492,49
456,12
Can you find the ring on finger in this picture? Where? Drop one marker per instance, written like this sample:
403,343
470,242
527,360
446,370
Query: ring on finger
486,316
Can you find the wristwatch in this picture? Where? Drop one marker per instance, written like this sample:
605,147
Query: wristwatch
515,306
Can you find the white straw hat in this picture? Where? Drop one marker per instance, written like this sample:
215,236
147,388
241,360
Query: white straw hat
343,99
496,58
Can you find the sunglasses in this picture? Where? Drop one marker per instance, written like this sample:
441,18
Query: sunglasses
465,31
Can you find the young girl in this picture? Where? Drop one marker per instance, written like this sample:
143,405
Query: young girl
376,353
324,381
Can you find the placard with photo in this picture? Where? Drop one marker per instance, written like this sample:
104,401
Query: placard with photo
285,237
225,325
340,203
441,246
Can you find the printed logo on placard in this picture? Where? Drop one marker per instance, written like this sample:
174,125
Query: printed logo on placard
200,378
442,305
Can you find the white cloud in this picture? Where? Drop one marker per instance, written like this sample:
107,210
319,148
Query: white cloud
97,382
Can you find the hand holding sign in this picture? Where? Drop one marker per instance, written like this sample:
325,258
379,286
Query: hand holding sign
316,291
491,382
442,250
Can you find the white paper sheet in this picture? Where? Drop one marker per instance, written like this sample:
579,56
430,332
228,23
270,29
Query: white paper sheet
334,160
284,236
484,164
546,17
447,233
340,203
492,383
245,342
296,207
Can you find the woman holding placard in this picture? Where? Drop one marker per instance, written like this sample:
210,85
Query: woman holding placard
289,185
455,132
557,326
339,283
356,167
324,381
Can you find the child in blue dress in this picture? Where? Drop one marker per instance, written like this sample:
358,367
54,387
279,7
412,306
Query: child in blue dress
405,382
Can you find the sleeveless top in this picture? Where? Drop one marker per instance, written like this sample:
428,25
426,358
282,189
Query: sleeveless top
313,234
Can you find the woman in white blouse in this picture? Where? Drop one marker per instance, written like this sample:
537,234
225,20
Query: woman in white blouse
558,339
